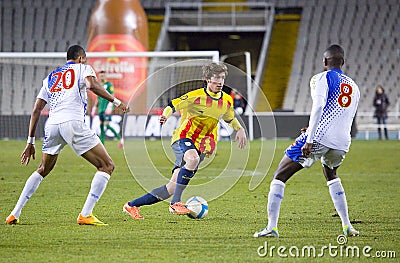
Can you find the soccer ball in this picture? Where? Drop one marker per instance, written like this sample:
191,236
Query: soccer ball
198,207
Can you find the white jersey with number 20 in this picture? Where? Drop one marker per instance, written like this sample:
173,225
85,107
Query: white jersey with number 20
341,96
65,92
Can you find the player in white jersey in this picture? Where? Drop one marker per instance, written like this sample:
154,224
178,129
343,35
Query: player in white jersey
335,99
64,90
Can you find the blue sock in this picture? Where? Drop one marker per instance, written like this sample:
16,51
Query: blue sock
182,181
155,196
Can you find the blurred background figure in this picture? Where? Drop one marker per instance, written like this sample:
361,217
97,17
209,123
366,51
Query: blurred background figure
104,110
381,103
238,102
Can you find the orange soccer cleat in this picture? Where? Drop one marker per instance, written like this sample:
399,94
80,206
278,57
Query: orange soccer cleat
179,209
133,211
12,220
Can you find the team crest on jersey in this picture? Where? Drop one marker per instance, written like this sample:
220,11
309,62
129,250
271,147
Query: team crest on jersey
188,143
183,97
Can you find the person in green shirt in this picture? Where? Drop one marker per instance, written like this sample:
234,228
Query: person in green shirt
102,110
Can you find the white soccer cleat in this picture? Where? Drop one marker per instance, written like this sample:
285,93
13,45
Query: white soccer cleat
267,233
350,231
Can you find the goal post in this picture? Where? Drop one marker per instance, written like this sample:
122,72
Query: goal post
22,74
213,54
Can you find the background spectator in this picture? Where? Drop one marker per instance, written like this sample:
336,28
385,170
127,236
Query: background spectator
381,103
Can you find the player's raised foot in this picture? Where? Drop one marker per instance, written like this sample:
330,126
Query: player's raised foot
350,231
133,211
267,233
90,220
179,209
12,220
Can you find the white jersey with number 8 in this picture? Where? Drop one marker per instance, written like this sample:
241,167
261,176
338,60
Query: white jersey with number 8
341,95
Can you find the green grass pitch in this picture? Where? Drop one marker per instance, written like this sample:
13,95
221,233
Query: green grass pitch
48,231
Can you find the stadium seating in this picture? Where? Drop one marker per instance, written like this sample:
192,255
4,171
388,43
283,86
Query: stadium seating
369,31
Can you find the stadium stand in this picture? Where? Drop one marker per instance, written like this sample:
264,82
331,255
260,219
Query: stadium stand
366,30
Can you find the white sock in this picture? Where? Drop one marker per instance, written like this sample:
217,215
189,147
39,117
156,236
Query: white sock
339,200
30,188
275,197
97,188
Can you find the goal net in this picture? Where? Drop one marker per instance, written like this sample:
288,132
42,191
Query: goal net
131,74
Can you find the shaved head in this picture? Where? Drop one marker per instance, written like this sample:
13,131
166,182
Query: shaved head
334,57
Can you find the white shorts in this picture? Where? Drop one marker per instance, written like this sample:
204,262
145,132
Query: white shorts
74,133
328,156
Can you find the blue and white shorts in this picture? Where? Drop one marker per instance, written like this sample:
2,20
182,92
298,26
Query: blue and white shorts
74,133
328,156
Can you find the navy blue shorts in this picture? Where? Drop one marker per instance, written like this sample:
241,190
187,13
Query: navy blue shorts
180,147
187,144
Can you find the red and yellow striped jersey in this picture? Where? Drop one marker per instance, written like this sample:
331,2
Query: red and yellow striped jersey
200,112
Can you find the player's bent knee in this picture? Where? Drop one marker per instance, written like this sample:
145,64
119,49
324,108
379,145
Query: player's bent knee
280,175
110,166
44,171
192,162
107,167
330,174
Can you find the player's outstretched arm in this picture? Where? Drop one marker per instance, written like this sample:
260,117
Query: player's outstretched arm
29,150
92,84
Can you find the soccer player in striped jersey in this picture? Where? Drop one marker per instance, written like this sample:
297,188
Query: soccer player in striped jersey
335,99
196,136
64,89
